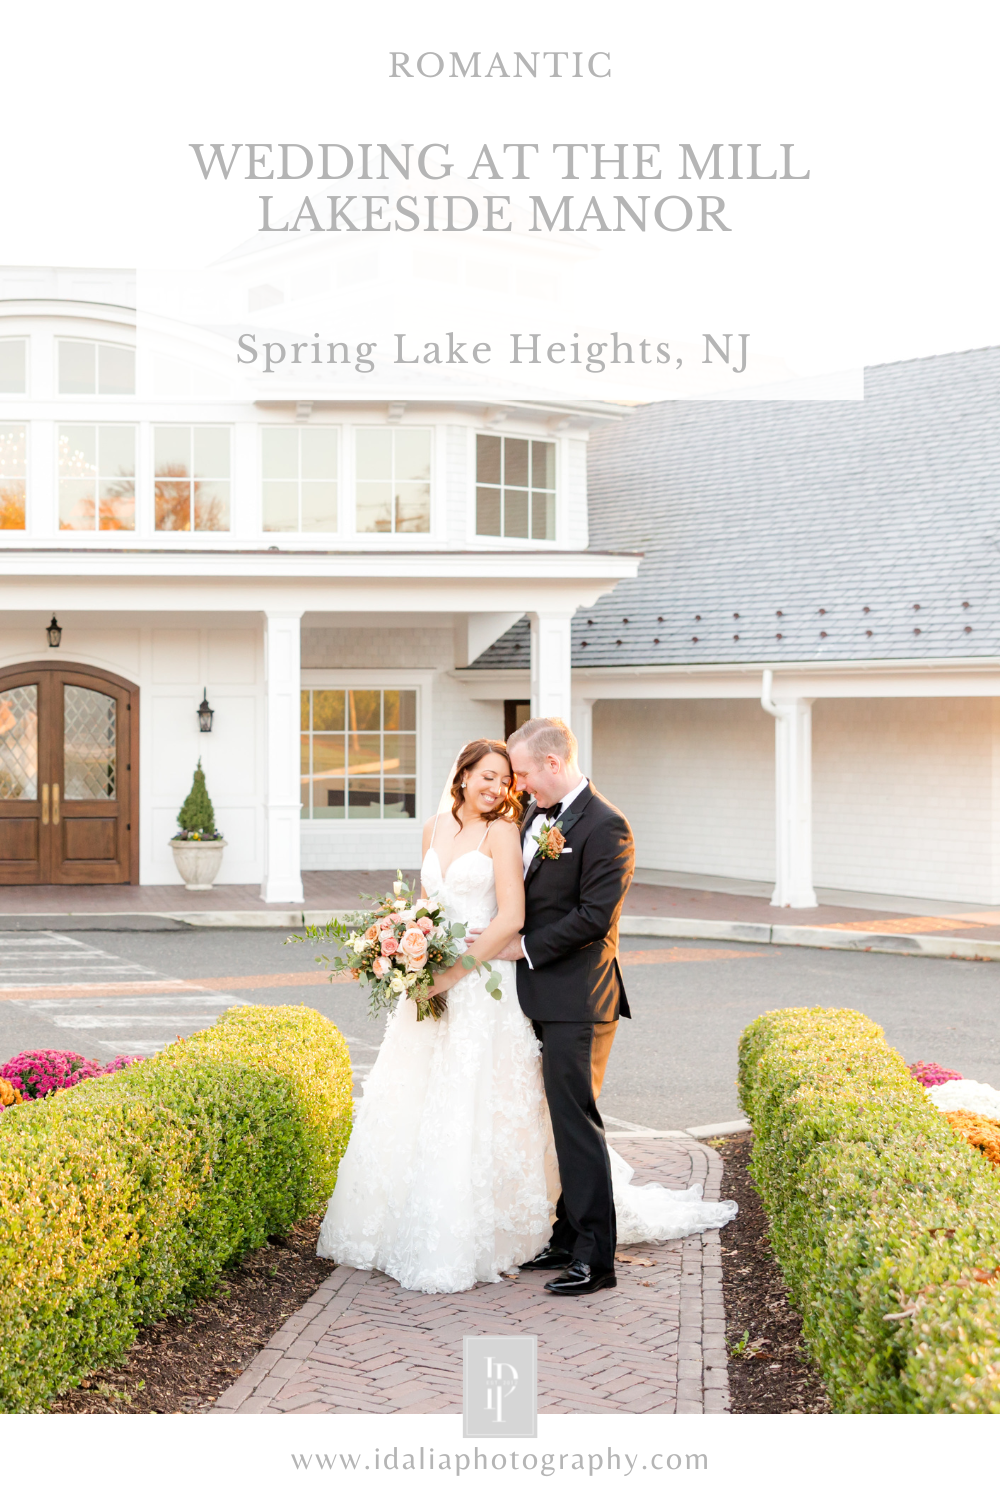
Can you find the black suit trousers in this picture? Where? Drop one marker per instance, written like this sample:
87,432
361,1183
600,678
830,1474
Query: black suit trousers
585,1213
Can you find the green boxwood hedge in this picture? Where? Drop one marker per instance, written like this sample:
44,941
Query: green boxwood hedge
122,1200
886,1224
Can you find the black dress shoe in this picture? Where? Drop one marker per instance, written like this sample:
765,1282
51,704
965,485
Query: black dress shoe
549,1259
579,1279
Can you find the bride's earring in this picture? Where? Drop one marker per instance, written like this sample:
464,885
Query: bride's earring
464,785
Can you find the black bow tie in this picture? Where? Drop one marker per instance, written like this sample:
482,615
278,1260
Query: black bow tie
548,812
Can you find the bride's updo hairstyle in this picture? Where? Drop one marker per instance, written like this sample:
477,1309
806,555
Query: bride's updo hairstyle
509,806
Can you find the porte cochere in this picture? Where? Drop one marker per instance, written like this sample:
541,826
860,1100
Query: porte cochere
68,776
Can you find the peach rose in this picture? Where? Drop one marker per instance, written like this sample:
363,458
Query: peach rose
389,944
381,967
372,933
426,925
413,946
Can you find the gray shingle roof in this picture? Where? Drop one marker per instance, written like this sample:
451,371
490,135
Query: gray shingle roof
801,531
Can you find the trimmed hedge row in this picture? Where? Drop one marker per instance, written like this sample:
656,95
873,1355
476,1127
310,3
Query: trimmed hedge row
121,1200
886,1224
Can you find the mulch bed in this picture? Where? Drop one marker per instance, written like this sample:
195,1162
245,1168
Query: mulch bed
769,1370
183,1363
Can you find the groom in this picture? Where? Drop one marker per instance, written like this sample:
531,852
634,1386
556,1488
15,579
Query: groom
578,863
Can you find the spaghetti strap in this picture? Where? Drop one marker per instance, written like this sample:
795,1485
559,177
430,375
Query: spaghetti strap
434,829
483,839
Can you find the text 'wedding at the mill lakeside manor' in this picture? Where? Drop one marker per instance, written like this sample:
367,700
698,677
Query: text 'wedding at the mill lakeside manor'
774,626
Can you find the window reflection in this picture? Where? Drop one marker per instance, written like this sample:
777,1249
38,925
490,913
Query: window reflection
359,753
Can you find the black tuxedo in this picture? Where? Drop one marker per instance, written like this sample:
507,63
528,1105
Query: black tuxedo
572,907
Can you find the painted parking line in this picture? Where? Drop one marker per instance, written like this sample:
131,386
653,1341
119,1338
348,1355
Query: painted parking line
106,1003
40,990
126,1007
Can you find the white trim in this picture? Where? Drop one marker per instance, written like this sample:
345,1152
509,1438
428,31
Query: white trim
961,678
603,569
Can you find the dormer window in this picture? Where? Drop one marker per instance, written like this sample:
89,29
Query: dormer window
13,473
96,477
13,367
87,368
192,478
515,487
393,479
299,478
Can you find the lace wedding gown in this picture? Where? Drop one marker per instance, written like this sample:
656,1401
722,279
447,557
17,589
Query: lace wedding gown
450,1175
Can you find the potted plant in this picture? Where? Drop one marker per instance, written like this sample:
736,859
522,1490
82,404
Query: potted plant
198,844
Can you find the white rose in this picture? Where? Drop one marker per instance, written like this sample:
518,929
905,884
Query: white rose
397,984
400,905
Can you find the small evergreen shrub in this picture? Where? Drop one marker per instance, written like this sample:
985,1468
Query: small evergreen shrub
196,819
122,1201
886,1224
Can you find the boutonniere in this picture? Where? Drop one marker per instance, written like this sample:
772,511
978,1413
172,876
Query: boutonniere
550,841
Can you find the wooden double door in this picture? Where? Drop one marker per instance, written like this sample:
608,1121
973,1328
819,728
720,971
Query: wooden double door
69,740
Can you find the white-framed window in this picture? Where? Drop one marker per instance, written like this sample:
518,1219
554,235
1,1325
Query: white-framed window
359,753
13,367
192,477
13,475
97,476
392,479
89,368
299,468
515,487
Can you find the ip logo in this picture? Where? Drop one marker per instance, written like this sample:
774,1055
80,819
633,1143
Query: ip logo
500,1397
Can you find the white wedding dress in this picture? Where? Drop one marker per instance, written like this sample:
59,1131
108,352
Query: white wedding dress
450,1175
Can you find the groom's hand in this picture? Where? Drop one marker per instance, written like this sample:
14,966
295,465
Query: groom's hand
513,951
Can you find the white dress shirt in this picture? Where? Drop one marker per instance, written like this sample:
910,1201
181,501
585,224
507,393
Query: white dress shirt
530,848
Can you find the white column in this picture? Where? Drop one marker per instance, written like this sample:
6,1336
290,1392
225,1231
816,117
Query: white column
282,654
793,798
583,728
551,677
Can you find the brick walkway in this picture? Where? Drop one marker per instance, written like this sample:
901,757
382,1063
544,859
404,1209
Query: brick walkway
656,1343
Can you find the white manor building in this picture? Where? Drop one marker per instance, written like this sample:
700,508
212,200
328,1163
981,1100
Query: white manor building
773,626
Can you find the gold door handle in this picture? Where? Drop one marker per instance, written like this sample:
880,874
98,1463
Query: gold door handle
45,802
55,802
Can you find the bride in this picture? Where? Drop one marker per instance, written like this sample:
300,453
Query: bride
450,1175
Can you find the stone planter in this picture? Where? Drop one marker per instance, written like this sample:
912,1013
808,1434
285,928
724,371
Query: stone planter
198,861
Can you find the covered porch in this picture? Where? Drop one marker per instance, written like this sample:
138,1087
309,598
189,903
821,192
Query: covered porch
273,643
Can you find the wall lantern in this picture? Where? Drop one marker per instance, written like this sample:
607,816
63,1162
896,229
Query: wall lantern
205,714
54,632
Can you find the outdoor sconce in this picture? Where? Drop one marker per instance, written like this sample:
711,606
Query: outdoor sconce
205,714
54,632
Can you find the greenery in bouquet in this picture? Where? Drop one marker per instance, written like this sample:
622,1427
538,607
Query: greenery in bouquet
398,948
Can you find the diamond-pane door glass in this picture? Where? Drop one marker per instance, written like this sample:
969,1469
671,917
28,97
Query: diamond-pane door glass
89,745
19,744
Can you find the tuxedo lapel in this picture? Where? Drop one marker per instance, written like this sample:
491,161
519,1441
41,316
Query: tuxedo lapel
565,821
576,808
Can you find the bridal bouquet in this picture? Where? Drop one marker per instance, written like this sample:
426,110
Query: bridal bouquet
399,947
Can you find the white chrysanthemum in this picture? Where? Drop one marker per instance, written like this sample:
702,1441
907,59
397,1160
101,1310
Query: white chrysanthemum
966,1093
